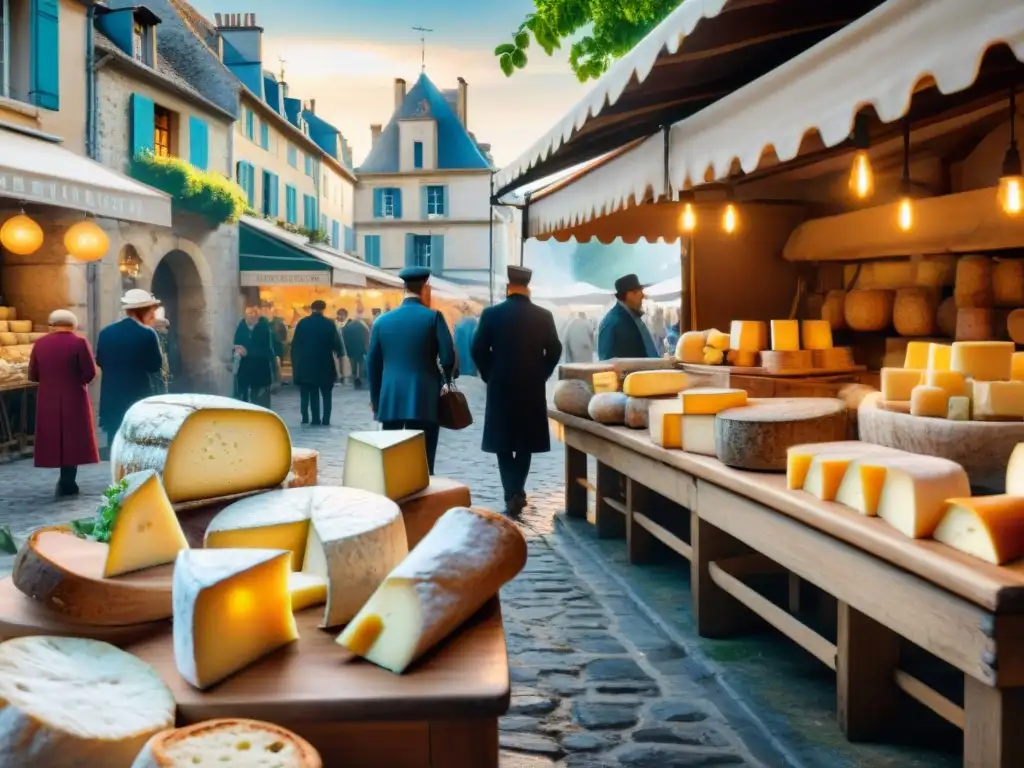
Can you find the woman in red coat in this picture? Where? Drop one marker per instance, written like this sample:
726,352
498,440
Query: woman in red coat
63,365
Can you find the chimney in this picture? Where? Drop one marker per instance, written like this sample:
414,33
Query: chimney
312,106
243,54
399,92
463,104
375,130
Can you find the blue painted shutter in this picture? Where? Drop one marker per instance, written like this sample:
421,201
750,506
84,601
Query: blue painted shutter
336,235
198,143
378,203
437,254
350,240
250,124
397,193
410,250
323,222
251,188
289,204
264,135
142,124
417,154
44,72
424,202
274,195
444,200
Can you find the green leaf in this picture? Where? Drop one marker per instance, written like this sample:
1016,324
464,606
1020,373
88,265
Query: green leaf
518,58
7,545
505,62
503,49
83,528
106,515
522,40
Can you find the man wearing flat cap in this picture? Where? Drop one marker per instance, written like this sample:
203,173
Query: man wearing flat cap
516,349
622,332
411,358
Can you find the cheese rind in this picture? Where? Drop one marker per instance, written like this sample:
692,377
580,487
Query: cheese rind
990,528
704,401
898,383
306,590
392,463
816,334
1015,472
929,401
664,420
983,360
785,335
655,383
146,530
423,509
67,702
748,335
228,742
915,492
998,399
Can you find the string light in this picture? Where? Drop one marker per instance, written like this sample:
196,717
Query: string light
1011,180
905,209
730,215
688,217
862,176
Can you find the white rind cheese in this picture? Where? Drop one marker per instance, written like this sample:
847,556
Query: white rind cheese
76,703
392,463
915,490
234,743
146,530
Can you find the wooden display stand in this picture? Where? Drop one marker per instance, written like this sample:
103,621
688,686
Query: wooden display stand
758,382
968,613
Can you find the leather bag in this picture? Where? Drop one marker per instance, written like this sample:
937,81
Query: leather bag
453,409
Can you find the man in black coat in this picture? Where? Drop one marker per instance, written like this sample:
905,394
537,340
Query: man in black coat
315,347
516,349
356,335
254,343
622,332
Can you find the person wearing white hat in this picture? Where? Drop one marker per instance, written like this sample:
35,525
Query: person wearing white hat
128,353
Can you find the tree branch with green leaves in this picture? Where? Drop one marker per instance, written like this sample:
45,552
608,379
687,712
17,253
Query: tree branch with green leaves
613,28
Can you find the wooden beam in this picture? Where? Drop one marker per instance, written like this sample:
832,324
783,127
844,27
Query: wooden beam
608,519
867,658
575,483
685,56
992,721
930,698
663,535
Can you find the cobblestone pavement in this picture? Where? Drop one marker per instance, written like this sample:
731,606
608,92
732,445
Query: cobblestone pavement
594,683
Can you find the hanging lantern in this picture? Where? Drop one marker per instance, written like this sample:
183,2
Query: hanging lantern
862,176
85,241
21,235
130,264
1011,180
905,208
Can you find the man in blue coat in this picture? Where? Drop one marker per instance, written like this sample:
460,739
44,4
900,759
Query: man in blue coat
622,332
516,349
411,357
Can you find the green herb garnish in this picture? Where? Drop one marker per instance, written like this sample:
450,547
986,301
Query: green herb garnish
106,515
7,545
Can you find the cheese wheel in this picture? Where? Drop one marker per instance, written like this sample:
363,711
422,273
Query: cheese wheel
974,324
8,339
690,347
833,311
973,286
990,528
621,365
424,508
869,310
68,702
460,565
758,435
6,313
203,446
229,742
3,325
1008,283
1015,326
637,411
914,494
304,466
945,317
913,312
655,383
608,407
19,326
573,396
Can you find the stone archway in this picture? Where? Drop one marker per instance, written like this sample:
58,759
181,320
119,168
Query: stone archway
177,283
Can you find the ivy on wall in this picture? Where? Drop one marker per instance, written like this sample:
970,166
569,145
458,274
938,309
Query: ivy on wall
208,194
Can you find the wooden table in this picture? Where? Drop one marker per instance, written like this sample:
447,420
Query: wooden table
17,437
441,714
888,588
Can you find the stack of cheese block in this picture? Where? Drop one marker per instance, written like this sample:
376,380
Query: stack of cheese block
920,496
581,382
778,345
979,380
16,337
687,422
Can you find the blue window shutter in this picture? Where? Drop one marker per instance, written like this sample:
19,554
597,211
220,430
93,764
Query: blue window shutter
323,222
367,249
397,193
44,72
410,250
251,178
373,250
424,202
417,154
198,143
274,196
308,165
291,215
264,135
378,203
336,235
250,124
444,201
437,254
142,124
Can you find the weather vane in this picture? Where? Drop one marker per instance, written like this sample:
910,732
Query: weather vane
283,62
423,46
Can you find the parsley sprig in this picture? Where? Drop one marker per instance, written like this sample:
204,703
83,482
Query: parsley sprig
100,527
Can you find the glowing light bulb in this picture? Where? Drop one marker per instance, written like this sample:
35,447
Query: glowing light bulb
730,219
862,177
688,221
1011,194
905,214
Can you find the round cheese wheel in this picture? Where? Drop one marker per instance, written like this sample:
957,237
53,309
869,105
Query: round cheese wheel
228,742
973,287
608,408
834,310
913,312
20,326
869,310
637,410
573,396
8,339
974,324
1008,283
70,701
1015,326
945,317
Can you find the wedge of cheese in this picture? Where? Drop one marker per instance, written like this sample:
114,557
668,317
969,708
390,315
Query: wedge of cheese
990,528
203,446
707,401
306,590
861,488
460,565
391,463
799,458
664,422
233,743
68,702
826,474
1015,472
914,494
655,383
146,531
697,434
231,608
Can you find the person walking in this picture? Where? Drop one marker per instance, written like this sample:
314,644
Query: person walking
356,336
62,364
128,353
316,348
579,340
622,332
411,358
516,349
465,329
254,344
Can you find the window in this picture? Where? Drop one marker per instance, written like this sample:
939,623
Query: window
264,134
250,124
421,250
309,212
371,249
417,154
162,120
247,181
389,204
142,43
30,55
335,234
291,213
270,194
435,200
309,165
293,156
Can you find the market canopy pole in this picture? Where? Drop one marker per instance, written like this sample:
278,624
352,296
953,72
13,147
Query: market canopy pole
490,254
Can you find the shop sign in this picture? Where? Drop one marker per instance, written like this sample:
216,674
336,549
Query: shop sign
38,189
285,277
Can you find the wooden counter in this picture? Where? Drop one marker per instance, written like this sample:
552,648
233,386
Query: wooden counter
967,613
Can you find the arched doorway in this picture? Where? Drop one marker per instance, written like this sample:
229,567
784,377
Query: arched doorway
177,284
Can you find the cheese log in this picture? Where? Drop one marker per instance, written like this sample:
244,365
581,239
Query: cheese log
898,383
785,335
1017,366
228,742
718,340
974,324
983,360
917,355
929,401
915,491
748,335
690,347
990,528
392,463
697,434
705,401
938,357
799,457
304,467
1008,283
203,446
1015,472
424,508
758,435
816,334
608,407
231,608
959,408
70,702
605,381
573,396
664,418
1015,326
460,565
913,312
306,590
146,531
655,383
973,285
952,382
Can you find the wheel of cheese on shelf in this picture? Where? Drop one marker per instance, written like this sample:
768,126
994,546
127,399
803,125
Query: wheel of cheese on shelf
869,310
974,324
655,383
19,326
461,564
572,396
67,702
348,538
833,311
758,435
228,742
304,467
203,446
945,317
423,509
231,608
392,463
1015,326
146,531
608,408
973,286
7,313
1008,283
8,339
913,312
990,528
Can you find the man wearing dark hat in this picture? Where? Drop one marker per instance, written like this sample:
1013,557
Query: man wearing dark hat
411,357
316,348
622,332
516,349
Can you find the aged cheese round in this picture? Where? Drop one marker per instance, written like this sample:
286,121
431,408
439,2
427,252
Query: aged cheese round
19,326
974,324
1015,326
608,408
421,510
913,313
621,365
304,466
228,742
1008,283
637,408
973,287
573,396
68,702
8,339
757,436
869,310
945,317
834,310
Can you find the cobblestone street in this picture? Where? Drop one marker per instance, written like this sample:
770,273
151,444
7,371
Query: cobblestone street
595,683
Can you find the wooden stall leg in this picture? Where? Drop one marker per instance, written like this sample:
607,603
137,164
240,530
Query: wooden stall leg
793,597
640,544
717,613
575,479
464,743
868,656
992,721
609,515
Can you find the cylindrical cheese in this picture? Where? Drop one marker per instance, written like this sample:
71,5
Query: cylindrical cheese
20,326
228,742
973,282
608,408
636,411
833,310
913,313
869,310
573,396
974,324
1008,283
1015,326
945,317
690,347
8,339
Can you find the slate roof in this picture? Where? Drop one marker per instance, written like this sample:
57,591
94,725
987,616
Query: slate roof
456,149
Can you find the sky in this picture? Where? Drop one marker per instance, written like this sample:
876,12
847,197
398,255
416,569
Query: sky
347,53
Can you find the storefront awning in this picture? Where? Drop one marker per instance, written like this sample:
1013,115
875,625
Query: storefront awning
571,294
36,170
